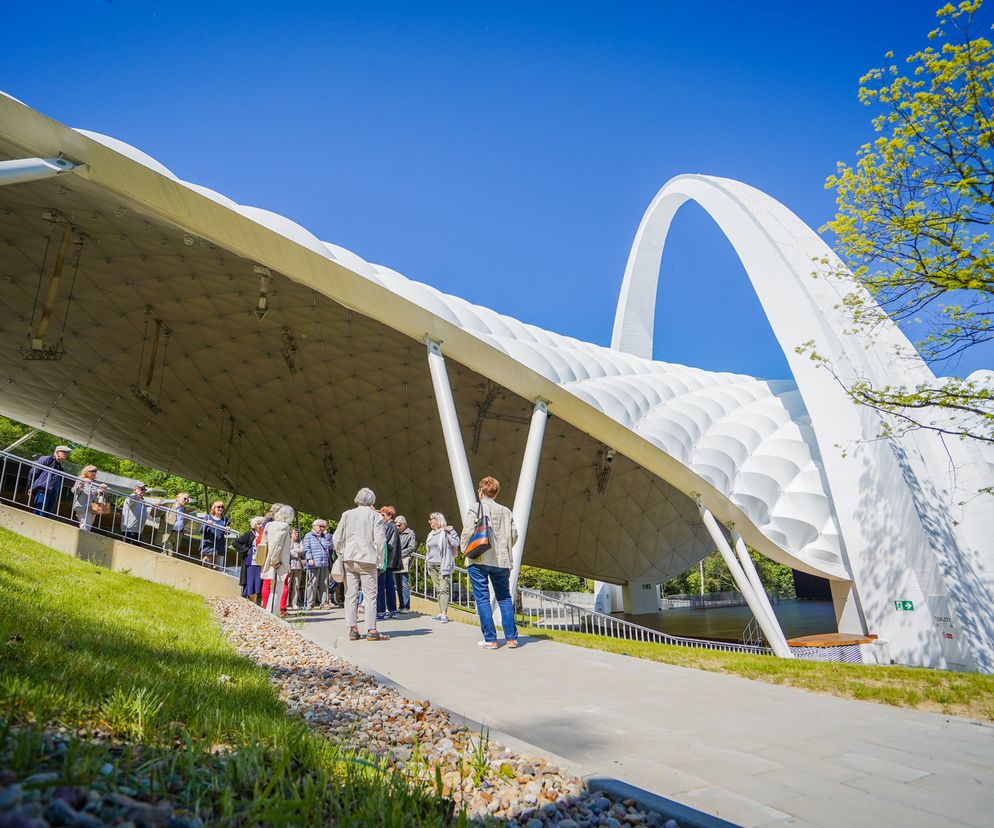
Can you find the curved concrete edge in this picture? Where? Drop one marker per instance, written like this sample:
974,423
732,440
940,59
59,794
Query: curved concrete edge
686,816
593,781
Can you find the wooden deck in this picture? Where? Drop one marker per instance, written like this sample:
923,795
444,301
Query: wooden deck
831,640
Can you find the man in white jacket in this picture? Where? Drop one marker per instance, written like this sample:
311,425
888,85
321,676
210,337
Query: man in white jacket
359,541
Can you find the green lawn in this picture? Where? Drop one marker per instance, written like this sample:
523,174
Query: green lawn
960,694
177,712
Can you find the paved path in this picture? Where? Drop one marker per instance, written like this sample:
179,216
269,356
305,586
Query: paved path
752,753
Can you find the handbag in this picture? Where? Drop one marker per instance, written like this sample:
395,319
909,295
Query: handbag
482,538
338,571
100,508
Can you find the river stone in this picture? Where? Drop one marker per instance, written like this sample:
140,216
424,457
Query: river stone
11,797
46,778
58,812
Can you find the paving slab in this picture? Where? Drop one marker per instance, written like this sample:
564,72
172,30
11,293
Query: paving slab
696,737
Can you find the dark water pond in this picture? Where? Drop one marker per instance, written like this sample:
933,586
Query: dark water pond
727,623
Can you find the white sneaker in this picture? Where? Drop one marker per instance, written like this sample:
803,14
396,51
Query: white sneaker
442,619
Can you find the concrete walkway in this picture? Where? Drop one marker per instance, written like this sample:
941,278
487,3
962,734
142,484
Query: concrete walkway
749,752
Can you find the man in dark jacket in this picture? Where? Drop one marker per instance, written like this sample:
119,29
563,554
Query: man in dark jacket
46,484
386,594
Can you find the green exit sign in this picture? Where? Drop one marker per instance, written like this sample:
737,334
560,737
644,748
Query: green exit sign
906,606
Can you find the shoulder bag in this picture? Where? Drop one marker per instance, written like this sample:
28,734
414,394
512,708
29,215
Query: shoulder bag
482,538
99,505
338,570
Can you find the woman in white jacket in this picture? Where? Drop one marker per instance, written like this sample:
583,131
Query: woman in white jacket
359,541
493,567
273,553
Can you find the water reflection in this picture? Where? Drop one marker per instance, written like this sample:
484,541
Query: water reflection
727,623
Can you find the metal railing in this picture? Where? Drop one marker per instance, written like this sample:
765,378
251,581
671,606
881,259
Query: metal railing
538,609
753,634
461,593
62,496
712,600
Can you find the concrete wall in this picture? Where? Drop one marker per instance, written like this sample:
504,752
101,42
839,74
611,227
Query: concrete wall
119,556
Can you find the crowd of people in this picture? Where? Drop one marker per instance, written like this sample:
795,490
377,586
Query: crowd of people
362,567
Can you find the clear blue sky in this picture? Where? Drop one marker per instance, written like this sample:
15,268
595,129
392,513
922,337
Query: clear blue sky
501,152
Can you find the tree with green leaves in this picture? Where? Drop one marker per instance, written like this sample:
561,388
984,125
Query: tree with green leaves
717,577
240,509
548,580
914,216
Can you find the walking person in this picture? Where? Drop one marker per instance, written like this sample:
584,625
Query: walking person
212,543
298,571
45,484
317,552
441,548
408,546
172,540
134,513
273,553
359,540
494,565
386,594
87,497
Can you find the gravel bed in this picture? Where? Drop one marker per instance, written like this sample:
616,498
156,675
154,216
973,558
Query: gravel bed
40,799
336,698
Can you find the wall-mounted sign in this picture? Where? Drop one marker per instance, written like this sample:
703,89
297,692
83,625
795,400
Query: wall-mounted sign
906,606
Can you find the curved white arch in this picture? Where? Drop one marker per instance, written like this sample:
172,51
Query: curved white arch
894,499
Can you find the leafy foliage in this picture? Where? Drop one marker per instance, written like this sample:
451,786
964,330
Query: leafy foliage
914,218
548,580
240,509
717,578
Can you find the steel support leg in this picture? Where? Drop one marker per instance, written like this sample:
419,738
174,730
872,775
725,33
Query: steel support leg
22,170
757,587
458,462
524,494
741,581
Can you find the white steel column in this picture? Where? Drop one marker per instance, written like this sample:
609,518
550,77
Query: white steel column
21,170
741,581
525,493
454,447
523,497
757,586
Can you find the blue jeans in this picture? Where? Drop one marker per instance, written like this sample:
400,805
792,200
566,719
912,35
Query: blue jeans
403,590
386,597
46,501
500,578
